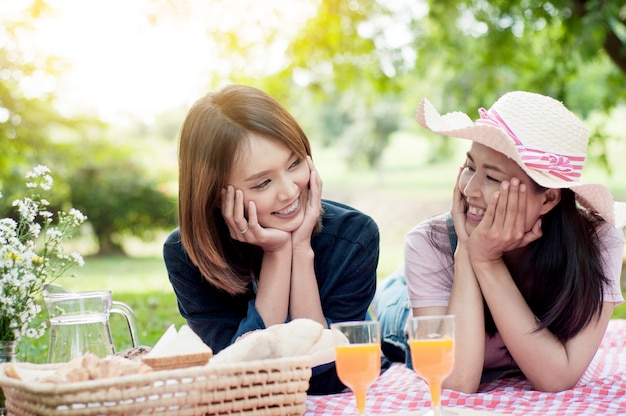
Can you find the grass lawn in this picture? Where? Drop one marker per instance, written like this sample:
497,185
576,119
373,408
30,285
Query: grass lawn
404,191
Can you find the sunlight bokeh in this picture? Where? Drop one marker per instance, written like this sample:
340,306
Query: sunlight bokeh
143,57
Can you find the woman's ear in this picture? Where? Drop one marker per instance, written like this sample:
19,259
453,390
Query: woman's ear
551,197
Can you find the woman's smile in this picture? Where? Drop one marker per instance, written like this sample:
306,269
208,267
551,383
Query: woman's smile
475,213
289,210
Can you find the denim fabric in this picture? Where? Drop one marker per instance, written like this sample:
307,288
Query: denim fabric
451,232
392,308
391,305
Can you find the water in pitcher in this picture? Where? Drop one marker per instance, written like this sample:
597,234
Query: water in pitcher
72,337
79,323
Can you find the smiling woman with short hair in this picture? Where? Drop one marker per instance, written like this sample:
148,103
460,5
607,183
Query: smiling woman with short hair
256,244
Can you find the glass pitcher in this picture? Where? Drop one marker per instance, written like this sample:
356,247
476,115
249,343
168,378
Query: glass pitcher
79,323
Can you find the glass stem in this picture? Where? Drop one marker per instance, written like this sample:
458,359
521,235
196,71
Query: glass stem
360,395
435,393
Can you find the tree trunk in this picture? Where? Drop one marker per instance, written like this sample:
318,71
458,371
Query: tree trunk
108,247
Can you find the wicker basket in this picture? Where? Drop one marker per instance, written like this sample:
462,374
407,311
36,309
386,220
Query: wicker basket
263,387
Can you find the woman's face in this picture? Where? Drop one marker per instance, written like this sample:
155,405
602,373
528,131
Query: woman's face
484,171
275,178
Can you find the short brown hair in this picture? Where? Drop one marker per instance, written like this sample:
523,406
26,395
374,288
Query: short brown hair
214,129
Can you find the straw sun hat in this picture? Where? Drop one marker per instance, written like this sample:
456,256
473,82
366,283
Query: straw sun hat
542,136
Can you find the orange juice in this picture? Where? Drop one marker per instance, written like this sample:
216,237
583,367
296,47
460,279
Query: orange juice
433,359
358,365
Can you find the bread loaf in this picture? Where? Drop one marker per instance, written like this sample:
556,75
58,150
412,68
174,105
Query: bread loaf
84,368
178,350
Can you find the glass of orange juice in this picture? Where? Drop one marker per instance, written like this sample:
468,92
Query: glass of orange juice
357,356
431,341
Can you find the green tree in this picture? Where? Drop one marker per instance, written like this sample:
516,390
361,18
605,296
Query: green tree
28,119
103,180
549,47
119,198
463,54
481,48
32,130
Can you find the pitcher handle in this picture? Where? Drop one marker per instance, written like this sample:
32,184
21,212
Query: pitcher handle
126,311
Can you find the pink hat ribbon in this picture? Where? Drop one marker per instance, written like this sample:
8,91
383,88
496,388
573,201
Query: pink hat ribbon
564,167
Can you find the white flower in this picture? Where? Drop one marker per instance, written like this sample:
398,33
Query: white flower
31,255
77,258
41,176
35,230
27,208
53,233
77,216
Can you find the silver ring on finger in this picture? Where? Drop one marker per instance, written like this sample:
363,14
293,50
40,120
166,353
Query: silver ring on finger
245,230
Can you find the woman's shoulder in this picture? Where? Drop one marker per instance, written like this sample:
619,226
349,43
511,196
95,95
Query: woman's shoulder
173,247
608,233
339,208
432,232
337,211
343,220
435,225
173,238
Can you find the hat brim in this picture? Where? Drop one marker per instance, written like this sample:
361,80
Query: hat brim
594,197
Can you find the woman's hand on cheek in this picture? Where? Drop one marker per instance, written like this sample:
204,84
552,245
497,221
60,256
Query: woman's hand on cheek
248,230
233,212
312,208
514,220
535,233
503,227
458,211
485,241
269,239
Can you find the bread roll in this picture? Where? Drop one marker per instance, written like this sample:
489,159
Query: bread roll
255,345
297,337
134,353
291,339
323,351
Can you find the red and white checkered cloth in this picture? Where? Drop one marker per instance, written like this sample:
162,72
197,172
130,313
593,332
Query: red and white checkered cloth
600,391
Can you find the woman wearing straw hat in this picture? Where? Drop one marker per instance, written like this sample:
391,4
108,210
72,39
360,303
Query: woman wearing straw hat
528,259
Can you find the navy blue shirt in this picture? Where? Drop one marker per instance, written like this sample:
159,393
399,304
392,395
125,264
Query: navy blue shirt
346,257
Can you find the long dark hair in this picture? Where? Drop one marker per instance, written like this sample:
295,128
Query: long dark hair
562,278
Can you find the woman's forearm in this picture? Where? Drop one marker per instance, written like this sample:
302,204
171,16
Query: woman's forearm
304,299
466,304
548,363
272,298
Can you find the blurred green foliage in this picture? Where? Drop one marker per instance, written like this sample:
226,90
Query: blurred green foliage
93,173
119,198
352,75
462,54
